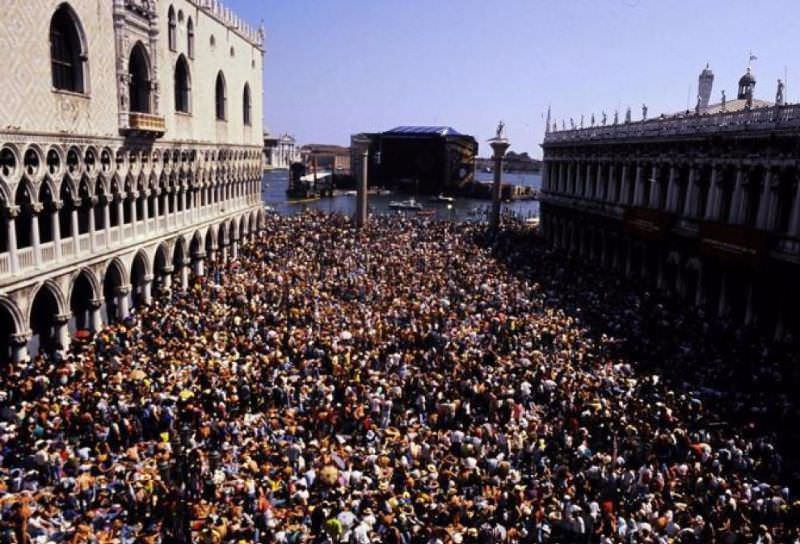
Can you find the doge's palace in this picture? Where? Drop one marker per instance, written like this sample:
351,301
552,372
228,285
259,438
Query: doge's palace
130,156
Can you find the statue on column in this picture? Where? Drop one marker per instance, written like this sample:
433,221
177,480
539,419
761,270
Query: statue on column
572,123
616,117
500,126
592,120
605,118
779,99
724,100
644,112
628,115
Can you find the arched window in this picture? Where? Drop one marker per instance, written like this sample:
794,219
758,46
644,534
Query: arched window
246,105
172,32
221,98
67,52
182,86
139,71
190,38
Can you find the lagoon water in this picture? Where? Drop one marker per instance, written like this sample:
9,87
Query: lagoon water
275,182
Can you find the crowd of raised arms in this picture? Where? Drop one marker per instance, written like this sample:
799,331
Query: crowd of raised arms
416,383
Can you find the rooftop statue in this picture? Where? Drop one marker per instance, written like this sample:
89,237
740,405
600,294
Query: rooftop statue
628,115
616,117
779,99
644,112
605,118
500,127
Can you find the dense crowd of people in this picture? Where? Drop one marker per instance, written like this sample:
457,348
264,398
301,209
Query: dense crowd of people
416,383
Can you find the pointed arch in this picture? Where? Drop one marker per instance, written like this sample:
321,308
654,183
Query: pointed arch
247,106
139,72
221,99
172,29
68,55
183,86
190,38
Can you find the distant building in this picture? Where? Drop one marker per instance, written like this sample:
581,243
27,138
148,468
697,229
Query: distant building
327,157
280,151
434,159
703,204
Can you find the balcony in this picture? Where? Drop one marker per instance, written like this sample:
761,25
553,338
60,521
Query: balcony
146,125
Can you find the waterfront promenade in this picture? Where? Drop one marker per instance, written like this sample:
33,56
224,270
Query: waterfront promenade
411,383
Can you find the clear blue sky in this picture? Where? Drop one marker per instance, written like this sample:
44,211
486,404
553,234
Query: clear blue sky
336,67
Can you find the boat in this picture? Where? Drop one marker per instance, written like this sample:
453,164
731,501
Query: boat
350,193
410,204
443,198
425,213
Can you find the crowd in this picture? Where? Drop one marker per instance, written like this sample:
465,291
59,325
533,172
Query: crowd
413,384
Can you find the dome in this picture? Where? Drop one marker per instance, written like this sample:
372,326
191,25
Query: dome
747,79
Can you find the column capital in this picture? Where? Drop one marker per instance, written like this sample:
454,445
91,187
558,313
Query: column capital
76,203
37,207
12,211
21,338
169,269
56,205
200,255
93,200
123,290
61,319
147,277
95,303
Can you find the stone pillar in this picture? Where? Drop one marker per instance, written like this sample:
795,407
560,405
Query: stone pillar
638,188
145,211
185,275
690,204
61,322
107,219
655,188
123,306
19,346
794,220
625,185
92,227
588,184
120,216
156,208
234,249
147,289
36,241
499,146
363,184
97,317
134,218
55,226
764,219
173,196
737,205
672,190
74,224
611,193
569,185
11,233
168,277
199,264
711,213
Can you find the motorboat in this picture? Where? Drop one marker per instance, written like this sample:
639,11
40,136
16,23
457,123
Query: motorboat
410,204
443,198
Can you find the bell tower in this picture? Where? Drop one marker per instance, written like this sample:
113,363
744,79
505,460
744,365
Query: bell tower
704,87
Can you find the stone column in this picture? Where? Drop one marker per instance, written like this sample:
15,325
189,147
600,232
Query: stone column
123,306
499,146
185,274
55,226
711,213
11,232
61,322
672,190
737,206
76,244
794,220
97,317
363,184
611,192
690,204
92,228
107,219
147,289
234,248
569,185
655,189
764,218
36,241
199,264
19,346
625,185
638,188
120,215
168,270
145,211
173,196
134,219
588,184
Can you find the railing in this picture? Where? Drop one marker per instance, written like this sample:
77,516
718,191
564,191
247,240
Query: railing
48,250
25,257
67,247
5,263
100,238
146,123
83,242
766,118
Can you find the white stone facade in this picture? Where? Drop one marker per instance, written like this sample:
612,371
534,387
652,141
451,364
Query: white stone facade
108,194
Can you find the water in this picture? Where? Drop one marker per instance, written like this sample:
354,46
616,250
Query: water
275,182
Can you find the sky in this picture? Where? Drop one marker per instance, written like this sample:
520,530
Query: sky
333,68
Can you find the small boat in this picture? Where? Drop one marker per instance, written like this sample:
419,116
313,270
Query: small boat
443,198
425,213
350,193
409,204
